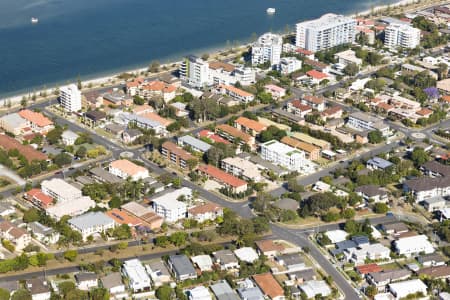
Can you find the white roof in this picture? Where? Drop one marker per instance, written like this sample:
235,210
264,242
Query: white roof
90,219
169,200
60,187
71,208
384,296
337,235
135,270
444,296
136,208
281,148
199,293
375,233
445,212
246,254
69,134
408,244
204,262
404,288
375,248
315,287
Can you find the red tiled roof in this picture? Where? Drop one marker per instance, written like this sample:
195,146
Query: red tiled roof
38,195
9,143
221,65
298,104
316,74
234,132
212,136
121,217
446,98
385,106
221,176
314,99
204,208
251,124
235,90
332,110
370,268
304,51
177,150
424,112
155,117
268,285
35,117
269,245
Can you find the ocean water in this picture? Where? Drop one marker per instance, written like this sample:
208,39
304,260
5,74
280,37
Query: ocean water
90,38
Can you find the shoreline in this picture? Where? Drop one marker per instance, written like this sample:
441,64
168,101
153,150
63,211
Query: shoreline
108,79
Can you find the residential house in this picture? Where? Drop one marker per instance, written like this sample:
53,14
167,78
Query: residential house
19,237
38,288
316,77
193,144
235,93
372,252
226,259
113,284
425,188
38,198
382,278
158,273
223,291
377,163
205,212
176,154
336,236
372,193
86,281
292,262
269,248
123,168
37,121
230,133
315,287
181,267
169,207
198,293
69,137
437,272
276,91
138,279
395,228
130,135
229,181
269,286
253,293
249,126
247,254
297,108
43,233
413,245
91,223
403,289
317,103
435,203
94,118
432,260
181,110
203,262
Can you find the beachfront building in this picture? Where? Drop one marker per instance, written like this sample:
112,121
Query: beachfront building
289,65
401,35
267,49
70,98
284,155
194,72
225,73
328,31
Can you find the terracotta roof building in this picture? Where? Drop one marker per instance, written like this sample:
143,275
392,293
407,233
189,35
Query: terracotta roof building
249,126
176,154
235,184
30,154
124,168
230,133
269,286
204,212
312,152
38,198
269,248
37,121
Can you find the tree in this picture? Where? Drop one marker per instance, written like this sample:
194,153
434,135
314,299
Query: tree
380,208
164,292
419,156
138,100
348,213
351,69
178,238
81,152
4,294
31,215
62,159
351,226
205,56
154,67
21,294
99,294
71,255
375,137
54,135
371,291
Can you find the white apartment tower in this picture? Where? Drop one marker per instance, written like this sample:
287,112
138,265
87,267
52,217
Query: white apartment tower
267,49
284,155
328,31
401,35
70,98
194,72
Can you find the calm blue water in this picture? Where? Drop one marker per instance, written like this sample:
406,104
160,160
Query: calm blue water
90,38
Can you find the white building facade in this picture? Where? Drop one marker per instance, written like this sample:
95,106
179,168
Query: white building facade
284,155
267,49
328,31
194,72
70,98
401,35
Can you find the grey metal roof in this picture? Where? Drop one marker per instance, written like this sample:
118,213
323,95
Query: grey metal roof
360,239
253,293
370,190
90,219
225,256
112,280
223,291
379,162
181,265
195,143
85,276
37,227
14,120
104,175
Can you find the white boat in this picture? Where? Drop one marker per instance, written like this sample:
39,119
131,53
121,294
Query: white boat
271,10
34,20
